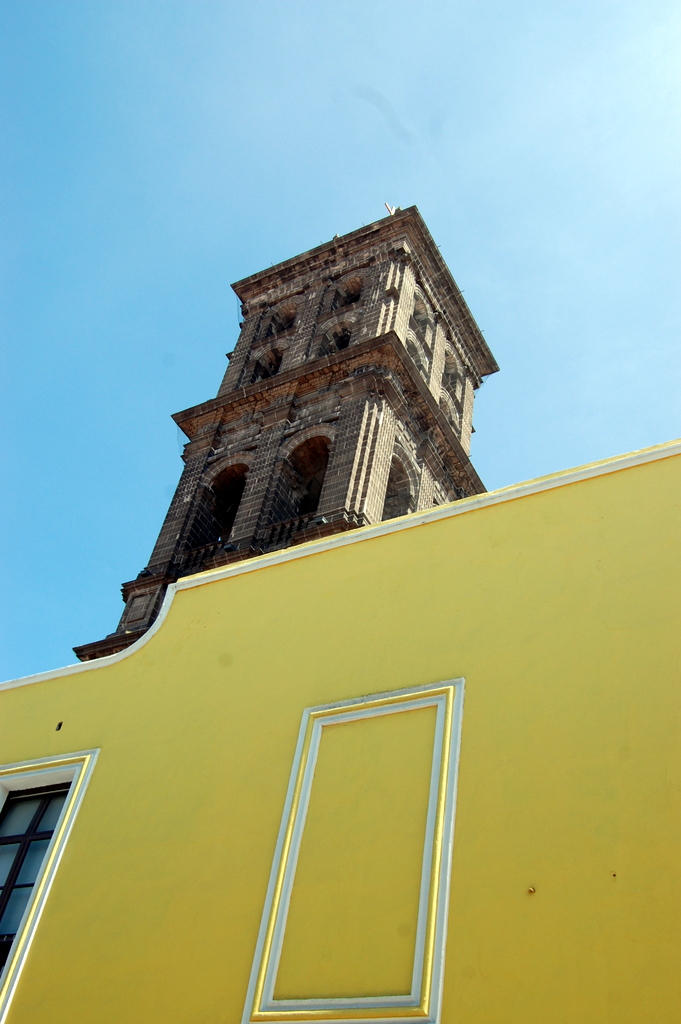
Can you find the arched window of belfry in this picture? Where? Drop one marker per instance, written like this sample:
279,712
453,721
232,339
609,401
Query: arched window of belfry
335,341
420,336
301,480
449,409
399,499
310,461
418,353
266,366
420,320
280,321
451,392
228,489
452,375
347,293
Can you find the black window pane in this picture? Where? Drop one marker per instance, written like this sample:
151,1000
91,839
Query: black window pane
14,911
23,814
32,861
50,817
5,946
18,816
7,855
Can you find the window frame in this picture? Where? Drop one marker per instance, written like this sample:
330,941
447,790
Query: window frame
33,833
74,770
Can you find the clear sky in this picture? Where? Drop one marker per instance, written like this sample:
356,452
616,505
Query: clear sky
155,151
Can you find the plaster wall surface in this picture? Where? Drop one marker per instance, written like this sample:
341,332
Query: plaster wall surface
559,605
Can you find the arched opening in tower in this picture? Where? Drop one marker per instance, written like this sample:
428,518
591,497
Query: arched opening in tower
335,341
310,461
228,489
398,497
301,480
267,366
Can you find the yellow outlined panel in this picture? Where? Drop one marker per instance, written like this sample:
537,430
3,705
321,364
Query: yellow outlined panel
352,919
354,926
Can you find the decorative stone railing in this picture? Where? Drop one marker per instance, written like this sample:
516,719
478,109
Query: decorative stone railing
195,560
280,535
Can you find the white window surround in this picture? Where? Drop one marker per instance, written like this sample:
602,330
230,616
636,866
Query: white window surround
75,769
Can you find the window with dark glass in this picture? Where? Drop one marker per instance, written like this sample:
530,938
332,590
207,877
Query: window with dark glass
27,822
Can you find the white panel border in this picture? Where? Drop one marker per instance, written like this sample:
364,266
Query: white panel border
378,1009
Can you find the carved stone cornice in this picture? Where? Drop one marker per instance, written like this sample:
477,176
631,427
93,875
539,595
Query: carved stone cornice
272,398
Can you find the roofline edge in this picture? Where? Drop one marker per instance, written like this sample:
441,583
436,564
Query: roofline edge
562,478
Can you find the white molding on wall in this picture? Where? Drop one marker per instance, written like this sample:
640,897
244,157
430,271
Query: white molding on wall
339,540
424,1001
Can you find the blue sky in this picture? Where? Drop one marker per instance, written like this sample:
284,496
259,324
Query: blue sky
154,152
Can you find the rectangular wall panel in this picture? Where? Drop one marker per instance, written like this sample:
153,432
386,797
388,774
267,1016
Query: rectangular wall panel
354,921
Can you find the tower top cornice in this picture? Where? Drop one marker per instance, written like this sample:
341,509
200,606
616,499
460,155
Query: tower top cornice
402,235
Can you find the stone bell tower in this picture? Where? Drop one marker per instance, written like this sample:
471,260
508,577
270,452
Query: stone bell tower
348,399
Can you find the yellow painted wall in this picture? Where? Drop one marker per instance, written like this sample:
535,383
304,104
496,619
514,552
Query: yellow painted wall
561,610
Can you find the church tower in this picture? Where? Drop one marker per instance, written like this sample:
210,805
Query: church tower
348,399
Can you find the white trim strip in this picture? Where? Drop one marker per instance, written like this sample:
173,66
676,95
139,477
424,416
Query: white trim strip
339,540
